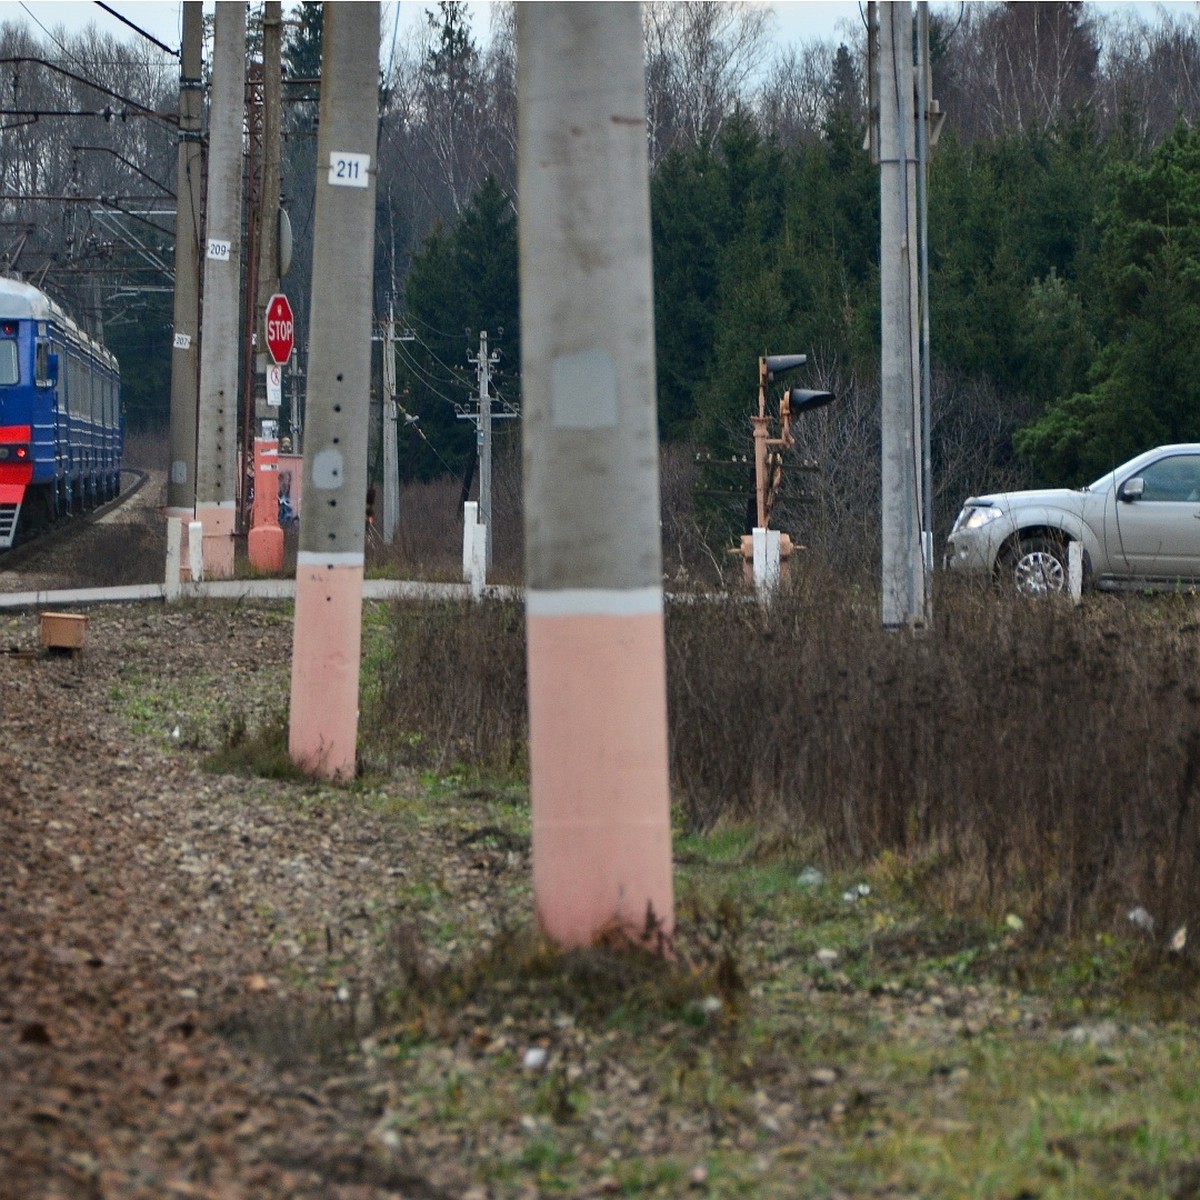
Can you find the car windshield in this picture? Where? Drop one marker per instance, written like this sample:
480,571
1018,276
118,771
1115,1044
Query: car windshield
9,371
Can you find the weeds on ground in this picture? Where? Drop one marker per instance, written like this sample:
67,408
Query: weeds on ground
1029,758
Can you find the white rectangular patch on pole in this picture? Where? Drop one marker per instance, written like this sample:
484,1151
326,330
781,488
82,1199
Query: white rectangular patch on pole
218,250
583,391
348,170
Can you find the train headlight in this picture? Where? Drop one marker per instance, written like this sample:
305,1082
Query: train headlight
12,452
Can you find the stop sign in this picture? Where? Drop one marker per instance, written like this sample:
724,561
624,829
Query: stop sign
281,328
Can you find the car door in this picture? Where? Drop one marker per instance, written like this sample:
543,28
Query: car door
1158,532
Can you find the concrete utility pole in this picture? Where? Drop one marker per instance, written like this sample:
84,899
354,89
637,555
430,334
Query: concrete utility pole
594,600
185,353
216,465
905,585
329,570
391,468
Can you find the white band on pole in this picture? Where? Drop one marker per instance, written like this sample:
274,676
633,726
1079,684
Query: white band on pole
595,602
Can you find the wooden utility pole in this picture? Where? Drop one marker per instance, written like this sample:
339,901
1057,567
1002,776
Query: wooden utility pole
329,569
185,352
216,458
594,599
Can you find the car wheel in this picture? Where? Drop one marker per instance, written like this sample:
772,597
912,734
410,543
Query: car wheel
1037,566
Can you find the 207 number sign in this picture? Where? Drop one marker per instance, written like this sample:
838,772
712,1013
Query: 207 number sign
281,328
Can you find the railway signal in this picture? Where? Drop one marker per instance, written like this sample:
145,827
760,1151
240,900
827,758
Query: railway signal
281,329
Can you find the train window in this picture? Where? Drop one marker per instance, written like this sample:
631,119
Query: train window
10,371
42,363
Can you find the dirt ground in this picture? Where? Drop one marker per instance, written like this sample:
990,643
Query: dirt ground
150,909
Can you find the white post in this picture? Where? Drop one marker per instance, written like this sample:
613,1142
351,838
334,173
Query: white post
479,562
196,550
470,509
766,561
174,562
1075,571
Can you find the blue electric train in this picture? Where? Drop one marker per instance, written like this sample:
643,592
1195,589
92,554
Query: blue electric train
62,428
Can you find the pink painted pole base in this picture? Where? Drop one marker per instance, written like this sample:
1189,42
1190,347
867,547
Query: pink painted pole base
218,522
264,542
599,778
327,638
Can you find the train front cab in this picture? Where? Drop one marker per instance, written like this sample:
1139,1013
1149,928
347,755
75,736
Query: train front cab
16,431
61,426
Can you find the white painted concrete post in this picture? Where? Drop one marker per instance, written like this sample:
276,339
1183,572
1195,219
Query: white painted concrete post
766,561
1075,571
479,548
196,550
174,563
470,519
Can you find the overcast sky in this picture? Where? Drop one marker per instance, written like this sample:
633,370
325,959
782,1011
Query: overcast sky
797,20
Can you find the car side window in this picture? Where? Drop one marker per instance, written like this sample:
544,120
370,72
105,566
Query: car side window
1176,478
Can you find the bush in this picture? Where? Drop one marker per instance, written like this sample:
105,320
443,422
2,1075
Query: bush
1029,755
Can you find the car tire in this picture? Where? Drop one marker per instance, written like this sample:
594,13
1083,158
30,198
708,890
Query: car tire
1035,566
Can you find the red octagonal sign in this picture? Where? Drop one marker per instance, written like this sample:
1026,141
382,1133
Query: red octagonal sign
281,328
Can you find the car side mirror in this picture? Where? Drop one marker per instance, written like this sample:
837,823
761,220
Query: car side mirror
52,366
1132,489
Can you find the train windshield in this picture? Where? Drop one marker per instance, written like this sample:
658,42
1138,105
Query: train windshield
9,370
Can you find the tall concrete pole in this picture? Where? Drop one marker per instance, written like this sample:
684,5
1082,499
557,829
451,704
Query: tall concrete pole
185,353
484,366
216,465
391,469
594,600
904,577
329,568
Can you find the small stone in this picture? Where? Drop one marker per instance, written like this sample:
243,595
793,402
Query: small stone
535,1058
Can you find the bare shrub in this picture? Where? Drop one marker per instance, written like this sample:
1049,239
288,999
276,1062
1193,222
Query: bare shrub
452,691
1028,756
429,533
1049,756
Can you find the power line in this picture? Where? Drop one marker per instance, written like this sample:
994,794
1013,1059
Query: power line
126,21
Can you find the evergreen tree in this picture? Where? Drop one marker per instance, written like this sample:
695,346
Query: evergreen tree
1145,386
461,282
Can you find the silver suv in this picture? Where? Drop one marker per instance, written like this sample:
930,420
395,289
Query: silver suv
1139,523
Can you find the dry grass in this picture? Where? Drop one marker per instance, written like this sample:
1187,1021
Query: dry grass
1025,757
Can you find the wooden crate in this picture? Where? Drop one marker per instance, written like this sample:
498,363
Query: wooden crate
63,631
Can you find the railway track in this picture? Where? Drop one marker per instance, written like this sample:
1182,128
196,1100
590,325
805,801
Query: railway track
30,550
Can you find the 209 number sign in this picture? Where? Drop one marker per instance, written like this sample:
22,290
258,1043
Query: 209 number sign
281,328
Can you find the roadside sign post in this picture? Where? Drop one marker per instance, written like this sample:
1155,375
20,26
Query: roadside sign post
264,543
281,329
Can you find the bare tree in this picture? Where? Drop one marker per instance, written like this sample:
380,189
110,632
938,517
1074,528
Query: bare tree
700,59
1020,67
1150,75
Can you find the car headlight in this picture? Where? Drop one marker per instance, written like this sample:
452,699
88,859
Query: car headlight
977,515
